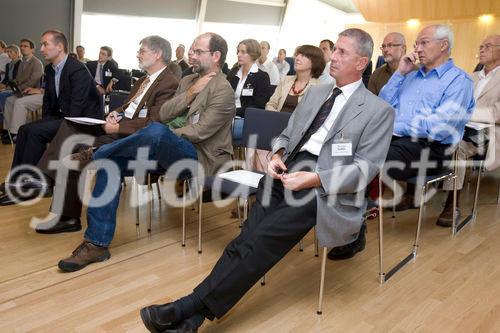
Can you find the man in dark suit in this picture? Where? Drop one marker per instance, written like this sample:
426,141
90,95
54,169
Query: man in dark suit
180,58
335,143
104,70
140,109
69,92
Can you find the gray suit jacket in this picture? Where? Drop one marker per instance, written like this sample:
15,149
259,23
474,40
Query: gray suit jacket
209,119
365,120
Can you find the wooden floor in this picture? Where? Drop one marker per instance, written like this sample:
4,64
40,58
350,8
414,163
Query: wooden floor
452,286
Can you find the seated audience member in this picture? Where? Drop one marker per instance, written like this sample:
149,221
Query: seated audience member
141,108
69,92
282,65
28,74
80,51
327,46
307,167
487,96
4,59
367,74
265,64
250,84
206,101
181,60
16,111
309,64
432,104
73,55
104,70
393,48
12,67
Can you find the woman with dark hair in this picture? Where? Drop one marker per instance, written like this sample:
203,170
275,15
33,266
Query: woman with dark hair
250,84
309,64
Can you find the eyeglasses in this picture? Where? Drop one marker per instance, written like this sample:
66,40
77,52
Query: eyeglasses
487,46
425,42
198,52
389,46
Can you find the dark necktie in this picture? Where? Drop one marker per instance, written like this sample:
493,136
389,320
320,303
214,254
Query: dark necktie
317,122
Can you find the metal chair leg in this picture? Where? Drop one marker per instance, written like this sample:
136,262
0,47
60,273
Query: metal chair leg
316,244
150,203
301,246
476,196
137,203
245,211
322,281
199,219
239,213
393,199
498,195
158,189
420,218
263,281
184,190
381,274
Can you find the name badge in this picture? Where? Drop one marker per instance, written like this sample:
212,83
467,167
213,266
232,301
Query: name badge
108,73
247,92
196,118
143,113
342,148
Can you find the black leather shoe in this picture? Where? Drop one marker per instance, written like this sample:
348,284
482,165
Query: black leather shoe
189,325
59,224
349,250
159,318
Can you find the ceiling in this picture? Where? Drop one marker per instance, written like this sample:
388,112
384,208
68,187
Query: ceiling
343,5
424,10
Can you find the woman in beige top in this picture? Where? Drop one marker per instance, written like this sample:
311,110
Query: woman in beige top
309,64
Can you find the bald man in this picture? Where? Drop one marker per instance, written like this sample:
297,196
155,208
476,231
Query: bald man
393,48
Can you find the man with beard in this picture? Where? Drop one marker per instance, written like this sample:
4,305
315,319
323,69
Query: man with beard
205,101
393,48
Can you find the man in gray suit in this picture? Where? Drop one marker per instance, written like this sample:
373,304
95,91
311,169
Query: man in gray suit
334,144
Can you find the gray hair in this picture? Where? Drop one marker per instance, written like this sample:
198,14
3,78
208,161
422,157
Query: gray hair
363,40
157,43
444,31
15,48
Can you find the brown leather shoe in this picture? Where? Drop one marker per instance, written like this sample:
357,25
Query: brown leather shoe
86,253
446,217
407,202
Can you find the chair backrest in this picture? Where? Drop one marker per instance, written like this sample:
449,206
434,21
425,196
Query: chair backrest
291,62
124,80
116,99
265,125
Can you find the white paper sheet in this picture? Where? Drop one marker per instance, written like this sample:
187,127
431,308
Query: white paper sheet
244,177
86,120
478,126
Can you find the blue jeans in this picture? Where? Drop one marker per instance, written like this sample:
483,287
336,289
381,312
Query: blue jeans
164,146
3,97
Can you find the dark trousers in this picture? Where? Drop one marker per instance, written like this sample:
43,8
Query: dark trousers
72,205
32,139
405,150
266,237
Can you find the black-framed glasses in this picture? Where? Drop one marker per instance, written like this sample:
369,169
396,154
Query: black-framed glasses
389,46
198,52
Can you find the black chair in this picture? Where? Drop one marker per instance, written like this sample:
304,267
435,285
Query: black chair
255,135
117,98
291,62
124,82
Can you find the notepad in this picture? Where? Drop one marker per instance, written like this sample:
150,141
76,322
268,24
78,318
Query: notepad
86,120
244,177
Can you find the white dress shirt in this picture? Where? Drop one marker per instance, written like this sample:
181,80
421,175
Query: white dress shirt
483,81
270,68
315,142
132,107
241,82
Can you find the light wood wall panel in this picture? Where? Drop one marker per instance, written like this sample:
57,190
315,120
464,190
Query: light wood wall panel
468,36
425,10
